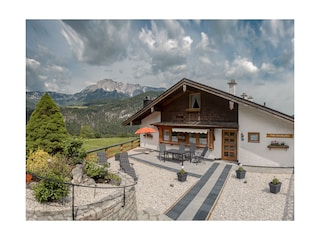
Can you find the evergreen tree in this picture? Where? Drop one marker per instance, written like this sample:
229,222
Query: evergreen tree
46,128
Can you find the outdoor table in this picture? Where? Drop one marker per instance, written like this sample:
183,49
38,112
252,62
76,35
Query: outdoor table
182,155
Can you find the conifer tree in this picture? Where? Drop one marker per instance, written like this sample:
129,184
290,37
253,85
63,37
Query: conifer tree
46,129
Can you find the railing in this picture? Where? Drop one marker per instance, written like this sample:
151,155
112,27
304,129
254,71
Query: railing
112,150
84,186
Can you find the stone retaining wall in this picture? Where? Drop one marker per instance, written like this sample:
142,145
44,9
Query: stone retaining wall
108,208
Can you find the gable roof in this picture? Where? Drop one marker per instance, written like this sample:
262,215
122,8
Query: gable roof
136,118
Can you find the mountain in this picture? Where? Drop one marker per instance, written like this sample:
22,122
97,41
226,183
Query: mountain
101,107
129,89
101,92
105,119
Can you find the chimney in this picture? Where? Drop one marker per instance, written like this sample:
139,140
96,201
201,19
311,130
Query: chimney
244,95
250,98
146,101
232,86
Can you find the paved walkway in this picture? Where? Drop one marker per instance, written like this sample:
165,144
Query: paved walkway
199,201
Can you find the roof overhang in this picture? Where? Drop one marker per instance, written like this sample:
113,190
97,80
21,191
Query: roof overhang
191,130
197,125
184,84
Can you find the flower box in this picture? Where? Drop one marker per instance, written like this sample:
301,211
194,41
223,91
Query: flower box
278,146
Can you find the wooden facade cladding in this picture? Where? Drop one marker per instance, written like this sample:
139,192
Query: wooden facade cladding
215,106
212,109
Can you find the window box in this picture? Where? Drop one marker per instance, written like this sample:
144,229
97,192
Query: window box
191,110
278,146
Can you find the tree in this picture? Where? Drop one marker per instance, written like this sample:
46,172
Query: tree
87,132
46,128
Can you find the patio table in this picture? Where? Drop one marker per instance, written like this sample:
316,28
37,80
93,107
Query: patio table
182,155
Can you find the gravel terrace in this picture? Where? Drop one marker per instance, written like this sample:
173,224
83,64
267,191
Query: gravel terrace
158,189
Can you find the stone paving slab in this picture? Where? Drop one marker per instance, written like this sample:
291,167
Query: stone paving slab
209,202
176,210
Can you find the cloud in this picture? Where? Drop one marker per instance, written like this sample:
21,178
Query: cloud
159,52
268,67
240,67
46,77
34,79
168,46
97,42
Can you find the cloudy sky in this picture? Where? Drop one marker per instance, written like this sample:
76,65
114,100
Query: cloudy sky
68,55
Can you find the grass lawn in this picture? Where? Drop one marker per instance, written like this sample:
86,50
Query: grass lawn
90,144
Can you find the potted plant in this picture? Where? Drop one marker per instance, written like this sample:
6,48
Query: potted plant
182,175
241,173
275,185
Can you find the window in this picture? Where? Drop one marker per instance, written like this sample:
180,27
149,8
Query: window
166,135
254,137
203,139
194,100
193,138
174,137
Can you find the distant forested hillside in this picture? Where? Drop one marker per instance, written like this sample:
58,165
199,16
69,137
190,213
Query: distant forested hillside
101,118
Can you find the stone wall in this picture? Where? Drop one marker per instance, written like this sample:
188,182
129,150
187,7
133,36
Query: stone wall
108,208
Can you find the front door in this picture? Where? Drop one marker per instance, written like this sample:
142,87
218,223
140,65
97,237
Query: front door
229,145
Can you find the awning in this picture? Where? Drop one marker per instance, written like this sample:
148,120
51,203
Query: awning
190,130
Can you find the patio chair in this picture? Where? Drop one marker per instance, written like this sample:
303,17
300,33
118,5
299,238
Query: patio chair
102,157
193,148
162,151
199,158
124,161
126,166
182,147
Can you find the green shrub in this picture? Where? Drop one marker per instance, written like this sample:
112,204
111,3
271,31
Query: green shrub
93,170
59,165
240,169
40,162
74,151
182,171
113,178
275,181
37,162
48,191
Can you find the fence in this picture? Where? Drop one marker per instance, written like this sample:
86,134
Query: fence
112,150
119,204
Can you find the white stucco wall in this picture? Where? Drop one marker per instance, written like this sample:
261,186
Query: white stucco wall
147,142
258,154
216,152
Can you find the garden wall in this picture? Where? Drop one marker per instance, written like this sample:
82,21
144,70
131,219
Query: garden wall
108,208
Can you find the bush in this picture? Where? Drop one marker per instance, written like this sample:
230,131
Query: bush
59,165
113,179
40,162
275,181
94,171
48,191
37,162
240,169
74,151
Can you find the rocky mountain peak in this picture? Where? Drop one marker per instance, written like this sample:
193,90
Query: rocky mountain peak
109,85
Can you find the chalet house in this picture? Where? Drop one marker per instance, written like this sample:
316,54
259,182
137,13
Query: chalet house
234,128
